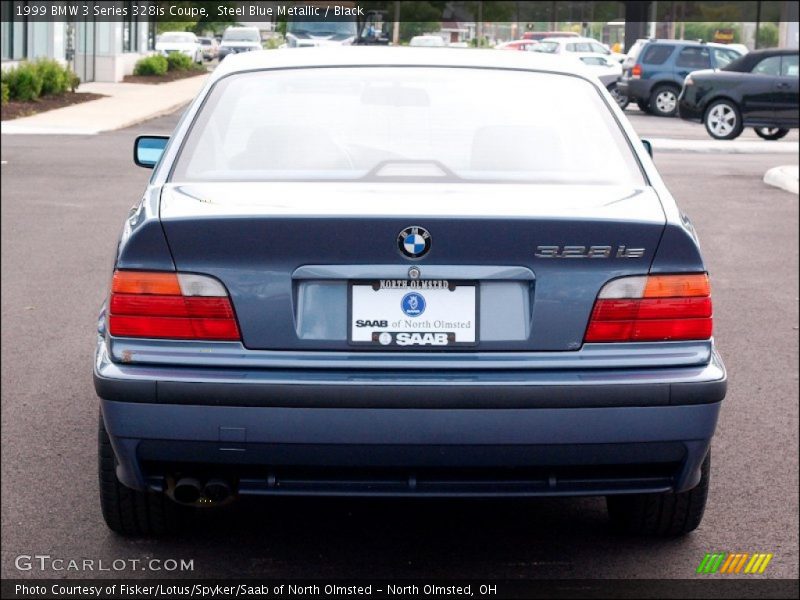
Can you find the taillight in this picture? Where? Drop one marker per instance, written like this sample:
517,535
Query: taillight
652,308
170,305
636,71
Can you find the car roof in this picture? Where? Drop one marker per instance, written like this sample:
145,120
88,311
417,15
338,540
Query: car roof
346,56
747,61
773,52
687,43
570,40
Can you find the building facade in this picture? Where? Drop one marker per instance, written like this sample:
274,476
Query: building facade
96,50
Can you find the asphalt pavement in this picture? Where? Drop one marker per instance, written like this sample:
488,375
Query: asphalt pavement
64,200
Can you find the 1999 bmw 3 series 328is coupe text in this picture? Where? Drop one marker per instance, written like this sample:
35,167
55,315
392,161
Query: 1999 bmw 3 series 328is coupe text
392,271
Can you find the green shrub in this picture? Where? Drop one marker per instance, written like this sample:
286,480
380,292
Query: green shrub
55,78
4,93
74,81
151,65
273,43
177,61
24,82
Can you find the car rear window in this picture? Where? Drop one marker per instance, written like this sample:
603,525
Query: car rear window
579,47
657,54
548,47
768,66
241,35
694,57
177,38
372,123
724,57
633,53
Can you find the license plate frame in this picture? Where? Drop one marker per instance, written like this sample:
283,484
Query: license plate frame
401,288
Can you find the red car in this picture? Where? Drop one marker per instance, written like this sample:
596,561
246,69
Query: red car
540,35
524,45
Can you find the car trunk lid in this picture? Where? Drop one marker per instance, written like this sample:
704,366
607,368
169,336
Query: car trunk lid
288,253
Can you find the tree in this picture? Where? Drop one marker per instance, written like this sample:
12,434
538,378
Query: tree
211,22
418,18
214,22
767,35
162,26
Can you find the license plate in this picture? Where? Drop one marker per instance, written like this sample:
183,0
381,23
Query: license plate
413,314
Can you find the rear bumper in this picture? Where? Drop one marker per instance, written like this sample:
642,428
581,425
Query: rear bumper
635,89
414,433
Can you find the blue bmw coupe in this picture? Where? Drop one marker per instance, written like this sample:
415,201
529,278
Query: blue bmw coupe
405,272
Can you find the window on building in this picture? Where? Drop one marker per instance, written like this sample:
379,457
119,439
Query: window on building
14,33
130,30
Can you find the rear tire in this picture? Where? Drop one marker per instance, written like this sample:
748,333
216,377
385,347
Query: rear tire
131,512
664,515
770,133
621,99
664,101
723,120
644,106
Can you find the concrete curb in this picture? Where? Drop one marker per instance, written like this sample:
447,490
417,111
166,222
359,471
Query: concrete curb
723,147
783,177
11,128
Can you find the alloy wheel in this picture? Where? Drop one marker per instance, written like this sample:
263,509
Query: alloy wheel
721,120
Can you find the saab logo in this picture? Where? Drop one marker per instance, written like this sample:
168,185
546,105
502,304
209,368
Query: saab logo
367,323
413,304
414,242
741,562
588,252
421,339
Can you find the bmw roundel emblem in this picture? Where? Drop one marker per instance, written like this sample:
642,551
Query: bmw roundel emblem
414,242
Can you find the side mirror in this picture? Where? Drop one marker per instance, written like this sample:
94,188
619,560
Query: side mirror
648,146
147,150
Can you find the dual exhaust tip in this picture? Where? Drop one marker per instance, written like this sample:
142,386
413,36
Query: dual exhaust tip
189,490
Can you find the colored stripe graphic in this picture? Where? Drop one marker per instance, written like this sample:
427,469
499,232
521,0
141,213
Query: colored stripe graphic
711,562
703,563
727,564
740,564
730,563
765,563
718,562
754,564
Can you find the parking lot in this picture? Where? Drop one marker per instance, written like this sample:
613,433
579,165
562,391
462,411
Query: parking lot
64,199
